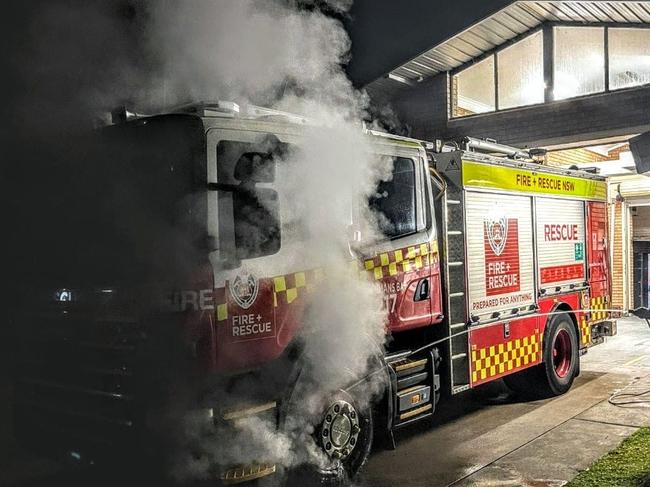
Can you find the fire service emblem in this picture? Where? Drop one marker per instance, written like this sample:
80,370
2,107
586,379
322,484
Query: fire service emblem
497,234
244,290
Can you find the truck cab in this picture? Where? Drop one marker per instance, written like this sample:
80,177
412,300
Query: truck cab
179,284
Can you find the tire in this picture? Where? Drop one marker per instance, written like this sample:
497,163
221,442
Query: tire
560,363
347,469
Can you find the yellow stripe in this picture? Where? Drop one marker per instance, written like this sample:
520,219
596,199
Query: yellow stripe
378,273
301,280
292,294
222,312
280,284
512,179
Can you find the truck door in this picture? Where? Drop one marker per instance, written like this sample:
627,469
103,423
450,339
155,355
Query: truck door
598,258
405,259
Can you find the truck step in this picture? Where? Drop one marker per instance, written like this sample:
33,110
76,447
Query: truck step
411,380
413,413
459,388
408,367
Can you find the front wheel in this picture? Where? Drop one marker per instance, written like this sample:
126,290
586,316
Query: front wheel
345,435
560,363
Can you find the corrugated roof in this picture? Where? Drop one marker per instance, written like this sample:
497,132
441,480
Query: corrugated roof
506,24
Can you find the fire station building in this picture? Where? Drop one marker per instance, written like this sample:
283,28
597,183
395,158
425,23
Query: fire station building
572,77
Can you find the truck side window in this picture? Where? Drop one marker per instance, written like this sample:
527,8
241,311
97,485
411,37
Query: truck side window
246,170
394,201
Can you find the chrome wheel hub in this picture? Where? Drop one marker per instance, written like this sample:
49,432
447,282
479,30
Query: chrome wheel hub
340,430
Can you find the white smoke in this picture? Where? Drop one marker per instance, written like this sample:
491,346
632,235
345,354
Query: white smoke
249,50
275,53
288,55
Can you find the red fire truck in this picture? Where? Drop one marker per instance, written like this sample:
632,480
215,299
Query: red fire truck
493,266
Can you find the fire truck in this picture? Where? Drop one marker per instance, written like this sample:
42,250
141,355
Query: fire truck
494,266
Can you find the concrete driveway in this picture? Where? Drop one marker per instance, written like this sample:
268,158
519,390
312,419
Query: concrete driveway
486,438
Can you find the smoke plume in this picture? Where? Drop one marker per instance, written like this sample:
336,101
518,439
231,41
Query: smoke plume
291,58
284,54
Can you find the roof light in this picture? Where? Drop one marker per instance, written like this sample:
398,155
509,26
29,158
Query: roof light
400,79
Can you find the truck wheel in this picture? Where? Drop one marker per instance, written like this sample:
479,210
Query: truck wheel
345,435
560,355
555,375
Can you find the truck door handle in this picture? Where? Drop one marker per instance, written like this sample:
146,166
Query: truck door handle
422,290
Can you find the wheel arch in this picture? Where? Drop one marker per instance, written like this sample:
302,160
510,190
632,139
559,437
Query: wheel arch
566,308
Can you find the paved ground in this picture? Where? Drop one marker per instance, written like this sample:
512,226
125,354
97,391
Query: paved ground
485,438
482,437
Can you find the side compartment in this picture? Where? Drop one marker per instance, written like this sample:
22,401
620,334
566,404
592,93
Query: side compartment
500,256
560,245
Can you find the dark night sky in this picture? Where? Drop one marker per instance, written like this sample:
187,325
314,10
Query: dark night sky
386,33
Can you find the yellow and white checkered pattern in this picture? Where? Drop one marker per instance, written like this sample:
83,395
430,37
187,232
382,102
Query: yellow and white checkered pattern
408,259
505,357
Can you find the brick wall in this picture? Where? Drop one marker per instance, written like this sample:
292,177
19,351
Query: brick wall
629,274
621,261
617,260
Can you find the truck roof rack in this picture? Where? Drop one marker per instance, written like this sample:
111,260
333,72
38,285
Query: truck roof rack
491,146
223,108
387,135
219,108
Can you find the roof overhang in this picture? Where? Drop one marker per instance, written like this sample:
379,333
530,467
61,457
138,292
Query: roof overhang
503,26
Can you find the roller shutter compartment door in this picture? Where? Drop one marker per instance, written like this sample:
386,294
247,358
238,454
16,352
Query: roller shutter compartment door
560,243
499,252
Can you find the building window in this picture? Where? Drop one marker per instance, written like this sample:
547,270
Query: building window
579,61
629,57
473,89
514,76
521,73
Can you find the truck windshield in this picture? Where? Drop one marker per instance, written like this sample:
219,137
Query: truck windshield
249,219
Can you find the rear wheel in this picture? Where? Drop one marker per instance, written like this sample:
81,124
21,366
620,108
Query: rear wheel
555,375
